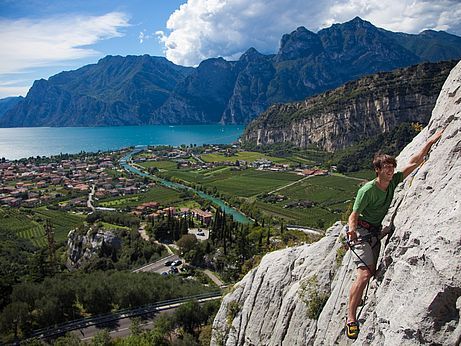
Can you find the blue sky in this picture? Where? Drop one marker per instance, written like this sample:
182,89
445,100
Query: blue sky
39,38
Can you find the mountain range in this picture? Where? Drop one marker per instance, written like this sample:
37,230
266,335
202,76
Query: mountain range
138,90
358,110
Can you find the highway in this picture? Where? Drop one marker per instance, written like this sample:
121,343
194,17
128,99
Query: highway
121,328
158,266
118,323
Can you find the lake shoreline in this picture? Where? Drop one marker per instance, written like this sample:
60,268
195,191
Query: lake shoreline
19,143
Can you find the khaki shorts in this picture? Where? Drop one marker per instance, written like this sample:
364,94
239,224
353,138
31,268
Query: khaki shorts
367,250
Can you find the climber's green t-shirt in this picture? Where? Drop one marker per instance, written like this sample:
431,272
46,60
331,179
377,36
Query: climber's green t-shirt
372,203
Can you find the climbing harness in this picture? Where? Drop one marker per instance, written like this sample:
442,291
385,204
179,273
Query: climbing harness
367,238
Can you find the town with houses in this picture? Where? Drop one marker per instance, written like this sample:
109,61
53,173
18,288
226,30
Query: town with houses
25,183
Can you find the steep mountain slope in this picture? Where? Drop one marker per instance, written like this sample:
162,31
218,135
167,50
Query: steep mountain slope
201,97
415,298
115,91
361,109
151,90
7,103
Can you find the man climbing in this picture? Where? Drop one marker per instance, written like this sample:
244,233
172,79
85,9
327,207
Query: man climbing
364,225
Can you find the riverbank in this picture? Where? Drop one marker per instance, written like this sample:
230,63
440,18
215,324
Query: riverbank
127,165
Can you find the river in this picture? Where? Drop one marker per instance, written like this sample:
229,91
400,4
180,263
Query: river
237,216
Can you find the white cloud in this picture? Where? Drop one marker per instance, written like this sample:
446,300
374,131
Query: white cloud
13,90
14,87
201,29
143,36
29,43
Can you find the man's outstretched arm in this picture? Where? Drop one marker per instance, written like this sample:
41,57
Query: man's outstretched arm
418,158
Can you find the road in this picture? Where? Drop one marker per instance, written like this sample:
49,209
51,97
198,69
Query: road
290,184
121,328
158,266
142,231
117,321
214,278
89,203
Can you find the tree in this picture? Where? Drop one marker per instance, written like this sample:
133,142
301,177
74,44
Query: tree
205,335
135,326
187,243
102,338
15,318
189,315
51,243
163,326
96,296
69,339
186,339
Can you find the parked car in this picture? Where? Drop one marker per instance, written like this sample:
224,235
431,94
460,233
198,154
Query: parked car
176,263
168,263
201,234
173,270
164,273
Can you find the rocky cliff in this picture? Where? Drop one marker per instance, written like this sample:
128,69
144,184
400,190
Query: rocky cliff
7,103
361,109
151,90
415,298
81,248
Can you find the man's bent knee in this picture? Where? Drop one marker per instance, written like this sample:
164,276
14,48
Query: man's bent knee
363,273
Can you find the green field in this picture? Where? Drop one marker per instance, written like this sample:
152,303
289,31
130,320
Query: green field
111,226
161,165
366,174
244,183
61,221
22,225
250,182
249,156
331,194
323,188
314,217
31,226
159,194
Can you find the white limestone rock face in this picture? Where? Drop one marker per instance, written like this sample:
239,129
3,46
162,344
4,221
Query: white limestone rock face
418,299
416,296
267,307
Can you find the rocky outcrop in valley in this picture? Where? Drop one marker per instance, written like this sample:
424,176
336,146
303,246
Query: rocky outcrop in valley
82,248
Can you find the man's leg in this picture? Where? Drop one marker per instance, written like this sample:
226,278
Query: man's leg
356,291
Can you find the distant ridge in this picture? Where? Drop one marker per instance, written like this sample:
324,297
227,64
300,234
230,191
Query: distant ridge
358,110
137,90
8,103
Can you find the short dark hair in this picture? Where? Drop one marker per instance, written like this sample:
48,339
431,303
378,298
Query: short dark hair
381,159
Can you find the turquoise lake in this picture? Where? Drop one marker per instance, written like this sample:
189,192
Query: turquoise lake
16,143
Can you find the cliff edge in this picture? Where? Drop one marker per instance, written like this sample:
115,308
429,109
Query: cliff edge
416,296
